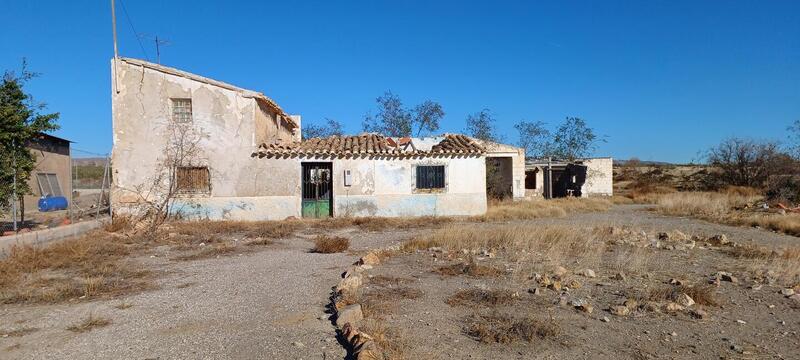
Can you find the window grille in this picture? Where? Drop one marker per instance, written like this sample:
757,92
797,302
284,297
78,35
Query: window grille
430,177
192,180
182,110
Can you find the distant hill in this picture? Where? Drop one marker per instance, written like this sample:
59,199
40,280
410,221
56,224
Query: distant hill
89,161
620,162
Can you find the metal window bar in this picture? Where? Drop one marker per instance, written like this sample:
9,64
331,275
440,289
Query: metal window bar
182,110
192,180
48,185
430,177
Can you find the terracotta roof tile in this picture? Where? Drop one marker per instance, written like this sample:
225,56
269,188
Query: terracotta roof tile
372,144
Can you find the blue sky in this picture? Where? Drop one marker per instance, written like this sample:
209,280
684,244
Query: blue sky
661,80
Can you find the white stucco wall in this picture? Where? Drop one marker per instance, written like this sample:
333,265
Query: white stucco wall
599,177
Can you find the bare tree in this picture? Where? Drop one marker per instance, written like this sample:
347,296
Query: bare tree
794,139
744,162
158,194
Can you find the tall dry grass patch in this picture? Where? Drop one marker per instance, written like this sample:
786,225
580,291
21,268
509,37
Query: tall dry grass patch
725,207
539,245
89,266
521,210
712,205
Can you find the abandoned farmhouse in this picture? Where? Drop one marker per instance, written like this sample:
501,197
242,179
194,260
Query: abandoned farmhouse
236,154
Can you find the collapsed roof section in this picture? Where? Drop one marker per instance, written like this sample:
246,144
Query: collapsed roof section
374,144
261,98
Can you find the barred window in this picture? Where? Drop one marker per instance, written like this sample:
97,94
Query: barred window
430,177
182,110
193,180
48,185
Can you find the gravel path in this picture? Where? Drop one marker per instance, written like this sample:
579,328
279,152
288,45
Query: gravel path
266,304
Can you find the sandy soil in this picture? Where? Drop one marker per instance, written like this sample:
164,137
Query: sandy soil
270,303
752,320
267,304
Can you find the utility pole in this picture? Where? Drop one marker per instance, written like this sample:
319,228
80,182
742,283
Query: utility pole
549,177
116,53
14,189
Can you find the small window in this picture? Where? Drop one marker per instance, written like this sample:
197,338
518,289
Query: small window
182,110
48,185
430,177
193,180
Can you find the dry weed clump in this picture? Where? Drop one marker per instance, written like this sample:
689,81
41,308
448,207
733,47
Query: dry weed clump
18,332
330,244
701,294
505,329
521,210
469,268
783,265
250,229
209,251
89,323
390,340
472,297
90,266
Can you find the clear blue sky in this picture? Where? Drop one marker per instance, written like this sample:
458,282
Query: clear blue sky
661,79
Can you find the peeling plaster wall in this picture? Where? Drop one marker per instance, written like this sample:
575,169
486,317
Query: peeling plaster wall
247,188
227,120
599,177
386,187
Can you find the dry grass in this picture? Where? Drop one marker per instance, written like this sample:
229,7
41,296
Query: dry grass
521,210
701,294
389,340
469,268
89,323
473,297
784,264
726,207
330,244
505,329
710,205
250,229
209,251
17,332
90,266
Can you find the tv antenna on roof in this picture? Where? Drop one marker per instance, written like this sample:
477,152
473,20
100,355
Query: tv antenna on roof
158,42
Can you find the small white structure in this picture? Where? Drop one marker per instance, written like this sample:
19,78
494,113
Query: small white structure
582,178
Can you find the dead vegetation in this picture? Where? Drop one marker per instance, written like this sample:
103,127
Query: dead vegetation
521,210
701,294
91,266
505,329
18,332
89,323
470,268
389,339
734,207
330,244
209,251
480,297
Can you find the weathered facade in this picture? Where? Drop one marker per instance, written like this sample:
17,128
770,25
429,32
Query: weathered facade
52,175
250,163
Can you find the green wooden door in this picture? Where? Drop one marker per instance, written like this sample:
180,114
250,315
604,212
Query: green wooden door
317,190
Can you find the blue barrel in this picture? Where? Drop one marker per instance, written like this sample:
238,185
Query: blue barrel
52,203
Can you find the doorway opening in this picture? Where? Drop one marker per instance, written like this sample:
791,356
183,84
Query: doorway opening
317,190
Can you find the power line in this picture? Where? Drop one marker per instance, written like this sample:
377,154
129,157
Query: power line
135,34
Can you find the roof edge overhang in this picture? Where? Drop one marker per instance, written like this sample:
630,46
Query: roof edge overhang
194,77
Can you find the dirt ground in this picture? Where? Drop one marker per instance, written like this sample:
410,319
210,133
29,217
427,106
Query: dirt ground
271,303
